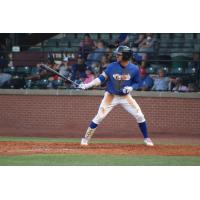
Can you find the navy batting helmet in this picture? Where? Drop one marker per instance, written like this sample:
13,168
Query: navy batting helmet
125,51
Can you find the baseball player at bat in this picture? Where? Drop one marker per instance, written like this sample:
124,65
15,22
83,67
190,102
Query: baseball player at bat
121,76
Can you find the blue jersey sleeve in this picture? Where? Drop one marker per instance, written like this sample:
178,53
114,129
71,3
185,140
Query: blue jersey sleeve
107,70
101,77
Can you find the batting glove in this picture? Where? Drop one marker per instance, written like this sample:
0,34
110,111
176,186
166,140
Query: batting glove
127,89
82,86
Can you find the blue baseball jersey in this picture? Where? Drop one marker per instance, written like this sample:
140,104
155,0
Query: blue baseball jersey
119,77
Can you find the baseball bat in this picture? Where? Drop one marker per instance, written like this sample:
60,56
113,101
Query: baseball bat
57,73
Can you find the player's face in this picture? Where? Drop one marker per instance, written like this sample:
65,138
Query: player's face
119,57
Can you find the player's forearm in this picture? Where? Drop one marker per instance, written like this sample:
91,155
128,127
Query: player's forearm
96,82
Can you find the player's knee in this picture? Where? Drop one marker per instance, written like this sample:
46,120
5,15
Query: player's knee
140,117
98,119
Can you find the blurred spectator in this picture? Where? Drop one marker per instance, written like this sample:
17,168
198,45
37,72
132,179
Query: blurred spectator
39,76
10,60
95,67
146,82
179,86
146,46
3,57
50,58
192,87
89,75
161,83
35,75
4,79
86,46
97,54
54,81
65,68
78,69
2,50
136,59
122,39
80,80
196,58
104,63
137,42
39,72
109,53
195,61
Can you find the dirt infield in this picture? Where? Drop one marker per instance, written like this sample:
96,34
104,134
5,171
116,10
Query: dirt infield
28,148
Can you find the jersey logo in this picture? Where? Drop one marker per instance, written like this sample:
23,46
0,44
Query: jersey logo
124,77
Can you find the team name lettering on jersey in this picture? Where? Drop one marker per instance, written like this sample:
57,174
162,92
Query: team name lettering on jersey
119,77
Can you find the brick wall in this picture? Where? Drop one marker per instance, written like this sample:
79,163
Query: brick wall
69,116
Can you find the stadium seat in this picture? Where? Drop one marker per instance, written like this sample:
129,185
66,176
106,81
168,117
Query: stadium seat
23,70
180,61
80,36
58,83
190,70
164,51
187,50
28,84
176,45
165,35
166,69
10,70
52,42
188,44
178,35
42,83
63,40
177,70
197,47
115,36
63,44
189,36
133,36
93,36
151,69
75,43
34,70
161,60
177,42
17,82
105,36
164,44
69,35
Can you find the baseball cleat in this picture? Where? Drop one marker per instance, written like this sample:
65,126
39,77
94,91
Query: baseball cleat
148,142
84,142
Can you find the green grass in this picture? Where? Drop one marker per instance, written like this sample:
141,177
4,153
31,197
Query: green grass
98,160
69,140
38,139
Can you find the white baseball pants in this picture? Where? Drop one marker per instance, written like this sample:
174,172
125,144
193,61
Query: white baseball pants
127,102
